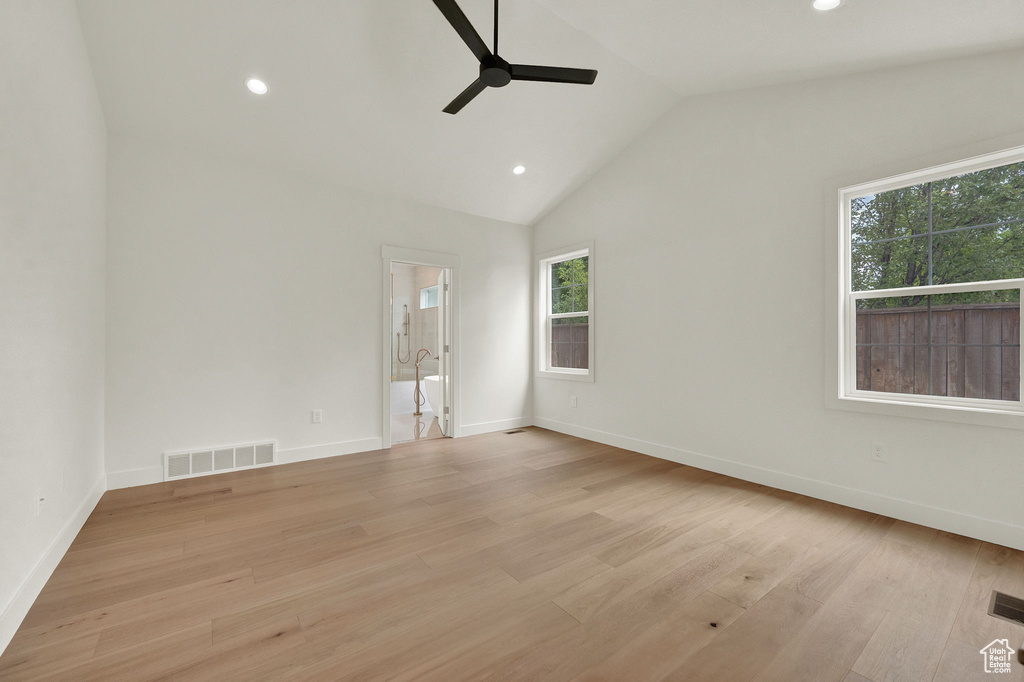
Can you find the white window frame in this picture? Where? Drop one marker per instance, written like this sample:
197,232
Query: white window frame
848,298
543,354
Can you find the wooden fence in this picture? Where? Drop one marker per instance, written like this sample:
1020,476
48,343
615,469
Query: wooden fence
974,351
569,346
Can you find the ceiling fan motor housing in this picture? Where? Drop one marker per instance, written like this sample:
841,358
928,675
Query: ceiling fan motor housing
495,72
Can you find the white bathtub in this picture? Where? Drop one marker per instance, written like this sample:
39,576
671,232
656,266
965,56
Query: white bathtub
432,387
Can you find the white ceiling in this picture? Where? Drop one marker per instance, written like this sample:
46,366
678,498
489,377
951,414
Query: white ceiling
357,86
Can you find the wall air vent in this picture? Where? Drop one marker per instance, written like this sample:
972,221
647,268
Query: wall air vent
1006,607
206,461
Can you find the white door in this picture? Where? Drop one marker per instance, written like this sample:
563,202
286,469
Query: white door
444,334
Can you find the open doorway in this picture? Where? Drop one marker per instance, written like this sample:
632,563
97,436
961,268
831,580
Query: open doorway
419,311
417,305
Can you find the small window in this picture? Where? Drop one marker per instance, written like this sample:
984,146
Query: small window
932,278
566,339
428,297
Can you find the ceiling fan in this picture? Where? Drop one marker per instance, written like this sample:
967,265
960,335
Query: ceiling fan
495,72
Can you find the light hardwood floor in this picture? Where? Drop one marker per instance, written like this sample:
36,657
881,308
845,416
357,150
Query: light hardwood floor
527,556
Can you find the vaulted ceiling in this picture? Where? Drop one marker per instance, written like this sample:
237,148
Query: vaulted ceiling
357,86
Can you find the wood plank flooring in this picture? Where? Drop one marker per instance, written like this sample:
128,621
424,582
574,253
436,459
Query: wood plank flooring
525,556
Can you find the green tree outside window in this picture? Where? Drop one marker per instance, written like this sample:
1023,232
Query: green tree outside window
969,228
570,281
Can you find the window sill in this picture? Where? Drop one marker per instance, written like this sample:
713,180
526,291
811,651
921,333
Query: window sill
1009,418
570,375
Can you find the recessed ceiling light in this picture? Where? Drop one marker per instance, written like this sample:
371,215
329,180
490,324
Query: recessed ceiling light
256,86
519,170
826,5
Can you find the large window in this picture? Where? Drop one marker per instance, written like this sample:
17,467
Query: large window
933,266
566,343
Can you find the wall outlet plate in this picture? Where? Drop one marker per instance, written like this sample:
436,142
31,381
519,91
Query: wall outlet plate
318,416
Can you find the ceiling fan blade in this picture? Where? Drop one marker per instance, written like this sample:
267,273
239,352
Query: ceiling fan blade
474,89
552,74
461,24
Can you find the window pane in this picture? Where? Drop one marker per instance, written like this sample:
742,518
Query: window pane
569,342
889,265
979,198
896,213
964,345
887,249
561,300
579,298
892,345
428,297
581,283
978,255
569,285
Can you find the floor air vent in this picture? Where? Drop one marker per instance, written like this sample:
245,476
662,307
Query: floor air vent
217,460
509,433
1006,607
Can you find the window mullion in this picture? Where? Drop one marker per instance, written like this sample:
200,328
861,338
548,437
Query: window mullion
931,243
929,339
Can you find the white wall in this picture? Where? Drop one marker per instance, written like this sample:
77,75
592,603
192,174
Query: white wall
52,174
241,298
716,259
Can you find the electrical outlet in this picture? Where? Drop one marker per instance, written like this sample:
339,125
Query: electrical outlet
318,416
879,452
572,401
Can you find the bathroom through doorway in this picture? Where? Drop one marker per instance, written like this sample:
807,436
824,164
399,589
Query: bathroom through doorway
420,352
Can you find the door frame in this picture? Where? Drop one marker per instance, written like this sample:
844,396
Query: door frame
434,259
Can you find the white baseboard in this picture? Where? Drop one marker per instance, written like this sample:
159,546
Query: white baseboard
18,608
347,447
490,427
134,477
976,527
